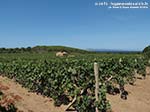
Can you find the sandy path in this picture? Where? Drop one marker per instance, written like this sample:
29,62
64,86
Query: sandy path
29,102
138,98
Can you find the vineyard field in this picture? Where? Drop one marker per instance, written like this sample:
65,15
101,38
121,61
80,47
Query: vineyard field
65,78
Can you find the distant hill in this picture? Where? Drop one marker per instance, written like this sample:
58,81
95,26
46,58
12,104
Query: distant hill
58,48
43,49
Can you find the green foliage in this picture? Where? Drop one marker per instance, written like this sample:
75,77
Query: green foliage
10,108
146,52
6,108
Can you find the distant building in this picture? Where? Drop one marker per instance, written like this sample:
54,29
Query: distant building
61,53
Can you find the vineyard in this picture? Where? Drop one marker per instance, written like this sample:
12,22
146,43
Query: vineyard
70,80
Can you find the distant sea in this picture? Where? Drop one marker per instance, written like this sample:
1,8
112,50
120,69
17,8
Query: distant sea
114,51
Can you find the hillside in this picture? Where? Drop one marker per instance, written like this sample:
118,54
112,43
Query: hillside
41,49
57,48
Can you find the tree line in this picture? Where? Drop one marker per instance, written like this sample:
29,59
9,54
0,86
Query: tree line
15,50
42,49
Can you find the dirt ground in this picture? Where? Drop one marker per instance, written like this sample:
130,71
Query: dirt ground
28,102
138,98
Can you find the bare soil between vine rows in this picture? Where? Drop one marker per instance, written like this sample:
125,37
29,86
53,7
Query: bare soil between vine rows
138,98
28,101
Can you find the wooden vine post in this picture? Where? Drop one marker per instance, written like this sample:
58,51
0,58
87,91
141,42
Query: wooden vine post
96,73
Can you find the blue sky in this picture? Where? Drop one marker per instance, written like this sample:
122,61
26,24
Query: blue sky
75,23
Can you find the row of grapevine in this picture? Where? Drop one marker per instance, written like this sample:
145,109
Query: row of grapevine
64,79
6,104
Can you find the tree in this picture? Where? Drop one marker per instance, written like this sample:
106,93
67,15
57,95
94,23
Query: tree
146,52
